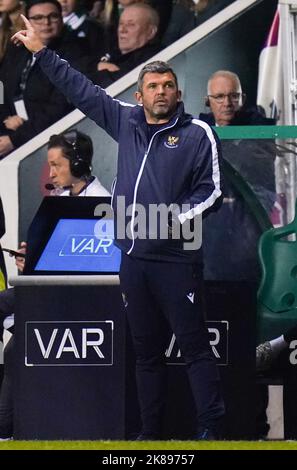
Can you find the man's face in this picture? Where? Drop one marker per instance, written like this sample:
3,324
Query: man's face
135,29
46,20
159,97
224,107
59,168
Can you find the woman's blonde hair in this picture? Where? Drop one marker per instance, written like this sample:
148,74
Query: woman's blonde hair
9,27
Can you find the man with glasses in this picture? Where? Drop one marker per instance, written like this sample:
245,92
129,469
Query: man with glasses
226,102
254,162
31,102
225,256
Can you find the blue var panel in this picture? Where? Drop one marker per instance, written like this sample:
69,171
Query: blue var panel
84,245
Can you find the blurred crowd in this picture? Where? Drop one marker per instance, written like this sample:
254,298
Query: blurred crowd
104,39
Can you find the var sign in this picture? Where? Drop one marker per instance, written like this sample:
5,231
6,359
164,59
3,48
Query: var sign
83,245
69,343
218,340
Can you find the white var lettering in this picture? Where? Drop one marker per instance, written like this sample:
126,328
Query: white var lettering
86,342
91,246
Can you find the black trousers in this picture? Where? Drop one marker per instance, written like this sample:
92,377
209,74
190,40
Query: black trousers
152,293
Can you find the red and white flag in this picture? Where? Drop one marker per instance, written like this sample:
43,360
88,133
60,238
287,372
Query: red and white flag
270,89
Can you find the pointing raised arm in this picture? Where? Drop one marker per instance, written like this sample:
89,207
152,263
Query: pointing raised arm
28,37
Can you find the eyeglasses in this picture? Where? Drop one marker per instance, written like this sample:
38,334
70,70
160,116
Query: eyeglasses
219,98
52,18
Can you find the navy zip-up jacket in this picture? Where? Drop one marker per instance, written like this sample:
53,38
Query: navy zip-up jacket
179,164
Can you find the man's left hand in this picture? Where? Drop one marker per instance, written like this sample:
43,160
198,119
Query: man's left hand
13,122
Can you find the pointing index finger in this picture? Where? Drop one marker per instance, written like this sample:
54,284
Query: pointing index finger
27,23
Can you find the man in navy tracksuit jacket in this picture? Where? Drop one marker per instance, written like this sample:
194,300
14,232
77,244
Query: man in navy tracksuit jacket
165,157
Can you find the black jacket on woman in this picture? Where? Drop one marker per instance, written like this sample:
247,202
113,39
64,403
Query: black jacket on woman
44,103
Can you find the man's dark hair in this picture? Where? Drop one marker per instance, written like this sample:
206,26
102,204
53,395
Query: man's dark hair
155,67
32,3
74,145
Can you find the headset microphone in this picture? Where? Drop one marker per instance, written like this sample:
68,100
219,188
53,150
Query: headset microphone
49,186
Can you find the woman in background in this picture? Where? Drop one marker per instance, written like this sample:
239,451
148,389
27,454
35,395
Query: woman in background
77,20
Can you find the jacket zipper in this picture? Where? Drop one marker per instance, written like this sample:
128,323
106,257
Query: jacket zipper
113,185
138,180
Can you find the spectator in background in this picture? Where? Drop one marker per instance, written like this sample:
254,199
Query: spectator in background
205,9
95,8
76,19
109,17
137,31
176,20
228,259
190,4
107,14
32,103
226,102
11,22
